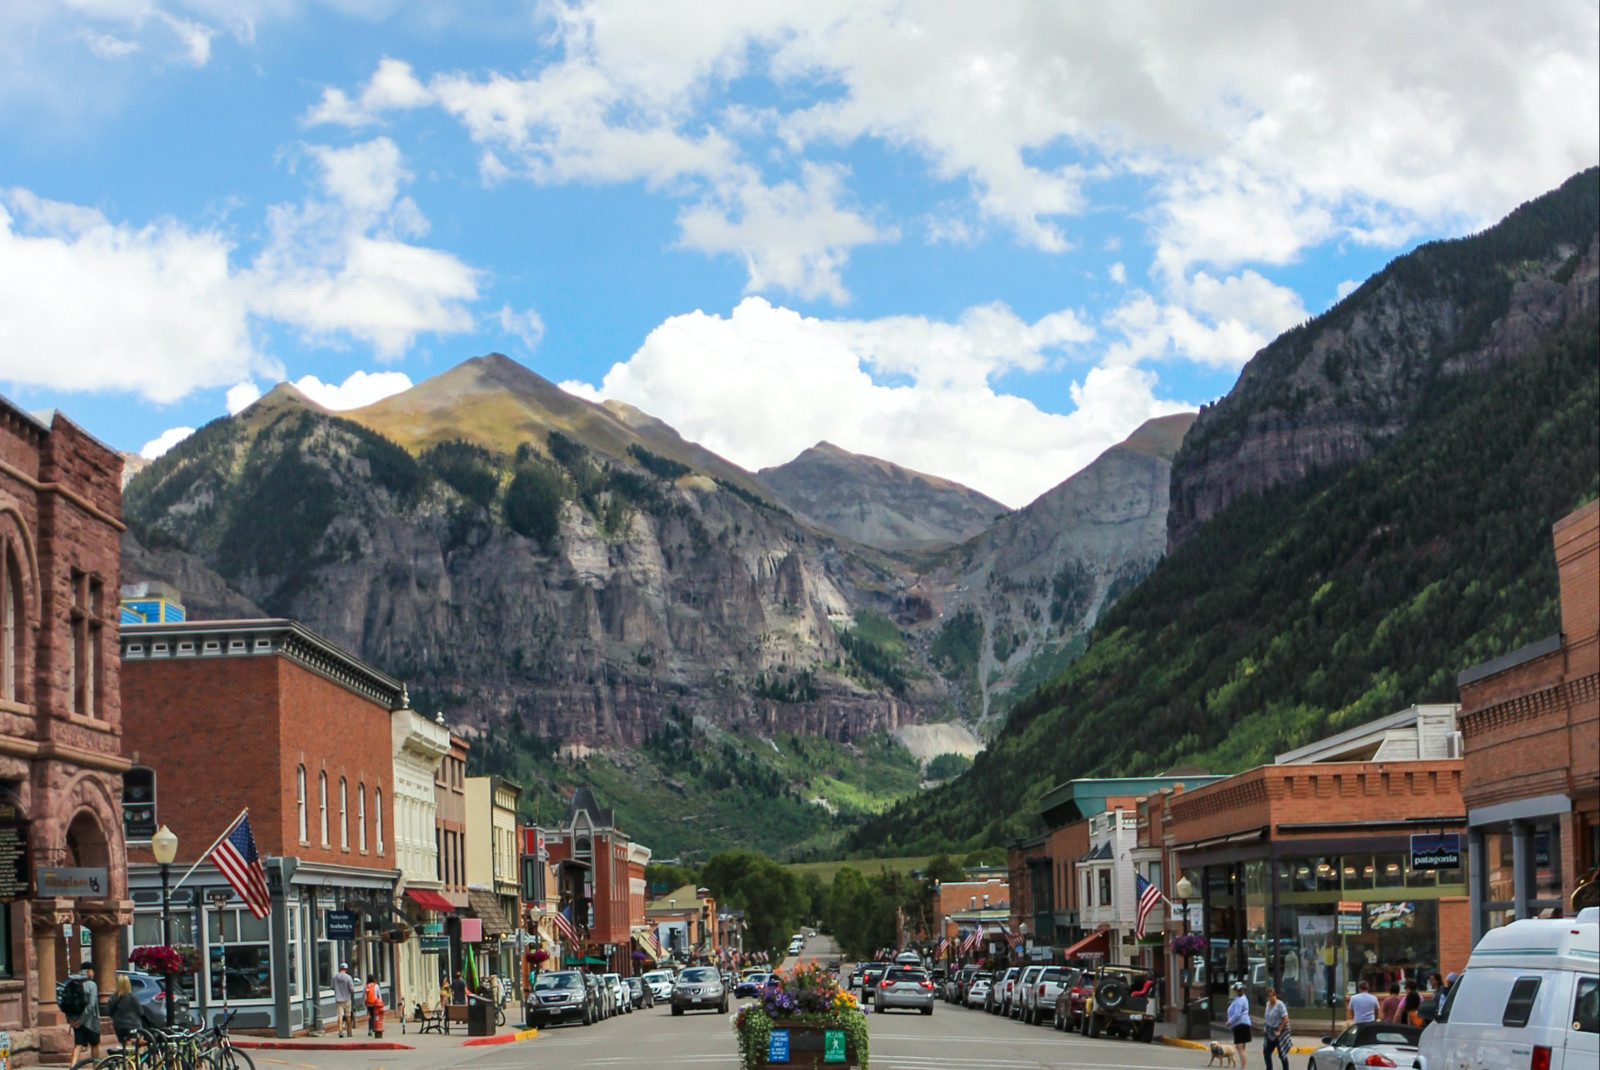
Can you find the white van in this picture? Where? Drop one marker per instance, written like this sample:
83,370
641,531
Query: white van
1529,999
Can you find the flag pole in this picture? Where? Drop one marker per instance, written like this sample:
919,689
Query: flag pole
225,833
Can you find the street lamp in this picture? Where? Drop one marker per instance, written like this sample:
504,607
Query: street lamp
164,845
1183,890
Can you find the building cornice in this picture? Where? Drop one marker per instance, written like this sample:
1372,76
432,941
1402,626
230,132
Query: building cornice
256,638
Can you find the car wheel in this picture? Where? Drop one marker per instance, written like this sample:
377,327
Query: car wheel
1094,1025
724,1007
1147,1032
677,1011
928,1009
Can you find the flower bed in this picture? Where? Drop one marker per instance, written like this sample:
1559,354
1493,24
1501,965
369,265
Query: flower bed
806,1002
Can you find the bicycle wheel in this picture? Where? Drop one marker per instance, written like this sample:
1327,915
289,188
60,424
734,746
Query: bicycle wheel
231,1059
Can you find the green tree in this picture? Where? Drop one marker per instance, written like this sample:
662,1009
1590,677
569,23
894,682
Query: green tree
769,895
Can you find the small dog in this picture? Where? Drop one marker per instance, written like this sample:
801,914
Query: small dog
1220,1055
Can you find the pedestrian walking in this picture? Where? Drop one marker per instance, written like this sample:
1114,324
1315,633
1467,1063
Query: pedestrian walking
1444,995
374,1007
80,1002
1411,1009
127,1016
1239,1022
1275,1031
1363,1005
458,989
344,994
1390,1010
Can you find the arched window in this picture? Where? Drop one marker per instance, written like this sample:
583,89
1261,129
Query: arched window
10,616
300,801
361,817
377,820
322,793
344,815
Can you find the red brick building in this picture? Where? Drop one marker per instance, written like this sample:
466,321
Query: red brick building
599,874
60,718
1530,726
266,714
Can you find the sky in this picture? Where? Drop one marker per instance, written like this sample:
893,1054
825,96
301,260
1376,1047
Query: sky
985,241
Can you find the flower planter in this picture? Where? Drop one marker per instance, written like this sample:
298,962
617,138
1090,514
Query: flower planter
808,1046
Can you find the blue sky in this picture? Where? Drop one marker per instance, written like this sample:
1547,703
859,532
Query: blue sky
981,240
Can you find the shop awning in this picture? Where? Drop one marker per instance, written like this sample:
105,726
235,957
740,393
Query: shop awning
1095,945
589,961
646,942
485,906
428,899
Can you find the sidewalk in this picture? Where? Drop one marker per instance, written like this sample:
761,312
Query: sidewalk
1167,1033
391,1042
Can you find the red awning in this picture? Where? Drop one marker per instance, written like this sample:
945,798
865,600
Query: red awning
1095,945
428,899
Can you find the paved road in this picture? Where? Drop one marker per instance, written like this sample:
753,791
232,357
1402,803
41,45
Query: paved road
953,1038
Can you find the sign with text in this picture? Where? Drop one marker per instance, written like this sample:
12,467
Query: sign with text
778,1046
15,880
833,1046
73,882
1435,850
339,924
431,928
434,945
1349,924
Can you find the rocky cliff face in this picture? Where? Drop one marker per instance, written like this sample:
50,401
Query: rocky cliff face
1012,606
877,503
1329,392
656,591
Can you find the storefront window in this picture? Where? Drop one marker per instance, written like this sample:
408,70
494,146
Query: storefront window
1547,864
1390,871
241,955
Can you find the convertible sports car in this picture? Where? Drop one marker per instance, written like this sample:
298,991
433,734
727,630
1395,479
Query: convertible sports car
1368,1044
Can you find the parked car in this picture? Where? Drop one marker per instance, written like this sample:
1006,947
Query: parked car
1021,991
870,978
1072,998
699,988
1040,1004
642,996
621,999
750,984
908,958
978,990
855,978
995,1001
904,986
1004,989
660,984
153,999
1368,1044
562,996
605,996
1123,1003
1530,996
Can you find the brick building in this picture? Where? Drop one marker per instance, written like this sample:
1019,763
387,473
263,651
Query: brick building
1302,872
60,718
600,886
1530,727
266,714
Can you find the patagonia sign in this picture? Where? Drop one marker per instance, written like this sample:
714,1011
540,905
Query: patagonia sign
1436,850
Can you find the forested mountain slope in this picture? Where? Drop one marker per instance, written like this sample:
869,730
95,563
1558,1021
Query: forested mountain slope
1310,606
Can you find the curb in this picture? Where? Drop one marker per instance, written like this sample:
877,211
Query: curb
504,1038
322,1045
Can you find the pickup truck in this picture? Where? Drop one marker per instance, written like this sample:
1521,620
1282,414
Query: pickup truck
1040,1005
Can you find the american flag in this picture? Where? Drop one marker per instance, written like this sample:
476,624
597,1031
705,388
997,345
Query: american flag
564,927
1148,895
974,938
941,947
1014,939
236,859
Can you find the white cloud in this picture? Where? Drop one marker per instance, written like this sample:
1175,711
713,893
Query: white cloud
163,309
764,383
106,45
1346,288
360,388
241,396
1118,274
164,442
527,326
195,37
1216,322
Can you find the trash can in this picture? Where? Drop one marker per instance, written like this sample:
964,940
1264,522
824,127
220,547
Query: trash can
480,1018
1197,1020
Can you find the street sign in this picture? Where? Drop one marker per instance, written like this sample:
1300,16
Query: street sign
1435,850
73,882
431,928
778,1046
434,945
833,1046
339,924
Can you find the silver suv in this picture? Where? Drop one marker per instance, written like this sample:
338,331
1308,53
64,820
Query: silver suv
699,988
905,986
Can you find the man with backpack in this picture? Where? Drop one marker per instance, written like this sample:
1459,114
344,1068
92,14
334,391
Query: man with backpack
80,1002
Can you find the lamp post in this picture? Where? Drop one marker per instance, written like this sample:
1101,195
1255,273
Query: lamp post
1184,890
164,845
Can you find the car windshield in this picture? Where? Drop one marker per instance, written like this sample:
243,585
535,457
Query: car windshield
698,974
1387,1033
557,980
658,975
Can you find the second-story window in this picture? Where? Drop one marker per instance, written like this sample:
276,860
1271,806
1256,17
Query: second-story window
344,815
10,614
1105,887
377,817
300,802
83,680
322,802
361,817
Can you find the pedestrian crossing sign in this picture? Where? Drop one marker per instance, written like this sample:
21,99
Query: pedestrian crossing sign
833,1045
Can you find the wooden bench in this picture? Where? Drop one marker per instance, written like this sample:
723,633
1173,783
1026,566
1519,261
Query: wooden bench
432,1021
455,1012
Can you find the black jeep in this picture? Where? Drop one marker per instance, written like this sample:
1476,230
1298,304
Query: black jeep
1124,1003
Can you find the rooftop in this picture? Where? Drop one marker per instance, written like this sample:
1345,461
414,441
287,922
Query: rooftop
1077,799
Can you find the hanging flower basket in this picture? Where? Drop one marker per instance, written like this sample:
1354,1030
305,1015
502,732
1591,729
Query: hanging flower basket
540,957
1189,944
161,960
807,1005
